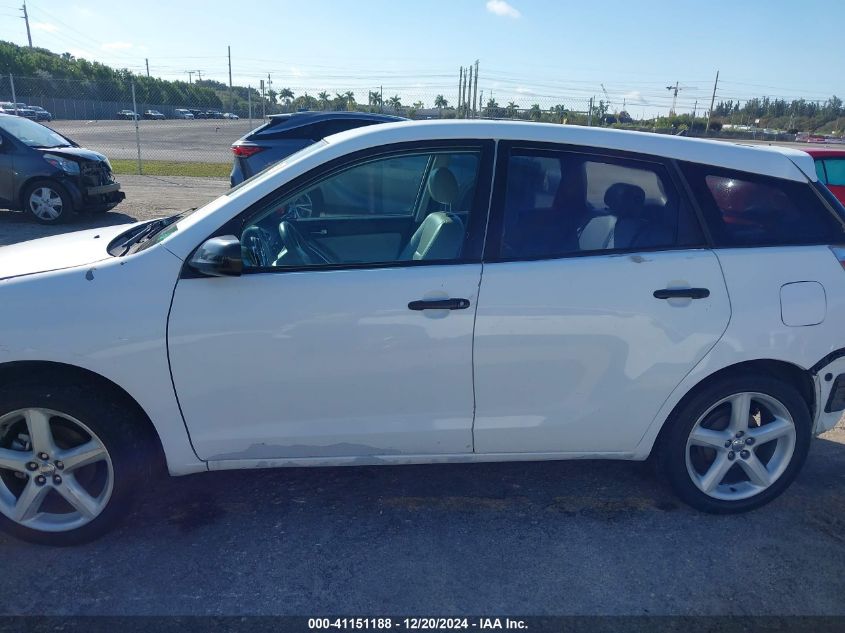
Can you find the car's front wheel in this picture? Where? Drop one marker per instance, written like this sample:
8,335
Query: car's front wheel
736,444
70,459
48,202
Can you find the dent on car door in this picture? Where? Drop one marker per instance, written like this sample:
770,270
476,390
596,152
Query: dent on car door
597,299
314,353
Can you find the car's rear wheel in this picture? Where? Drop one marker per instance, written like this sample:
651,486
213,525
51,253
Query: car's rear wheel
48,202
736,444
70,459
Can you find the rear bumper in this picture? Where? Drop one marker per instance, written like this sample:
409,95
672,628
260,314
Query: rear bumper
830,405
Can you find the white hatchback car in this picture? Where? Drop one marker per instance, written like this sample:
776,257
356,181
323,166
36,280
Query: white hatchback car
456,292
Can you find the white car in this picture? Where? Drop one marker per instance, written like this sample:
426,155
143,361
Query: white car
229,115
456,292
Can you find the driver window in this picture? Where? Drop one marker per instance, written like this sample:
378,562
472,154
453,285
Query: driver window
403,208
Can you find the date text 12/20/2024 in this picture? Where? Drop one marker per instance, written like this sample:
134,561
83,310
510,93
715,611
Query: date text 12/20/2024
430,624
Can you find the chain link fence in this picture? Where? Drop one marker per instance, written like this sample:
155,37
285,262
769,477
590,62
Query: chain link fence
147,125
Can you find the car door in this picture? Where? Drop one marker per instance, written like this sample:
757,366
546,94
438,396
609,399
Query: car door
7,170
356,346
598,297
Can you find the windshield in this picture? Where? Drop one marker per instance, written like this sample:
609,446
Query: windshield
31,133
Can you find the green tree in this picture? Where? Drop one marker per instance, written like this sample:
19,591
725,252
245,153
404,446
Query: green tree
395,102
511,109
440,102
535,113
324,100
286,95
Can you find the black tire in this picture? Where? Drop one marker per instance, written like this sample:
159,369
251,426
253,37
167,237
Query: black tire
671,450
59,190
115,425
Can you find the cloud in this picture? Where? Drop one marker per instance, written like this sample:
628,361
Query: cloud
116,46
297,72
502,8
45,26
524,91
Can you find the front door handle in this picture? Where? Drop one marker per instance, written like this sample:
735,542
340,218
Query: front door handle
682,293
439,304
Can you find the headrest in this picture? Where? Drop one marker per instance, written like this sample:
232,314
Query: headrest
624,199
443,186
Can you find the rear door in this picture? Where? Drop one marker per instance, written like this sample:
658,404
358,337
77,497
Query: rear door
598,296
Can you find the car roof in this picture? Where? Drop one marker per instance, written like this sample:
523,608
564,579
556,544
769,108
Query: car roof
317,115
777,161
824,152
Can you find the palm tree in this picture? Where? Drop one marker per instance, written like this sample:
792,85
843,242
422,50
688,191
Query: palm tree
395,102
286,95
440,102
350,99
418,105
374,98
535,113
324,100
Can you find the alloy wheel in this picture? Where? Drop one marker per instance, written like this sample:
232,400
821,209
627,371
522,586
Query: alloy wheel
740,446
55,473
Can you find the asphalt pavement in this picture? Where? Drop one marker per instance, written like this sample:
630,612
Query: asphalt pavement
578,537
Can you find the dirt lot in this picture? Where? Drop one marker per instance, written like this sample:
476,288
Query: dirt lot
147,197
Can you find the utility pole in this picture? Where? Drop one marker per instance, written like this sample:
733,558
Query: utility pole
469,94
460,94
475,93
147,62
590,115
712,101
26,19
231,97
674,89
381,98
199,75
464,94
692,121
190,76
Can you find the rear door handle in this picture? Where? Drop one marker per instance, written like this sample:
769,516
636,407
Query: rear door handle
439,304
682,293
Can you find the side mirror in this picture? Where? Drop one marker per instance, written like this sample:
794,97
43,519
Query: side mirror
218,257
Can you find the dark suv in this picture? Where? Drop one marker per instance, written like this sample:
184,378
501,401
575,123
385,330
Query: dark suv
50,176
285,134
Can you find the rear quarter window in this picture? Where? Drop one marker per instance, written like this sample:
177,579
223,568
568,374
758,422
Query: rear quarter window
745,209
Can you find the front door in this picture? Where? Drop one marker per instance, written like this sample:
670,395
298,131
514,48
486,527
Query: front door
597,299
350,331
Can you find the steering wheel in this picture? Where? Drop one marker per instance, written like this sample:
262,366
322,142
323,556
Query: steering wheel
308,252
257,247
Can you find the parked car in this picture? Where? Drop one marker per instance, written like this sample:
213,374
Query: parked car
128,114
17,109
199,114
49,176
285,134
214,114
182,113
41,114
618,316
830,168
153,114
229,115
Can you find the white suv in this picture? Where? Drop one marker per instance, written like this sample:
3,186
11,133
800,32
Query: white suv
456,292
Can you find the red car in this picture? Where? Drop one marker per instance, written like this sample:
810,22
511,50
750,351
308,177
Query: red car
830,166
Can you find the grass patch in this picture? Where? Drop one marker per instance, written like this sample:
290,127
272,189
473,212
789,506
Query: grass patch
171,168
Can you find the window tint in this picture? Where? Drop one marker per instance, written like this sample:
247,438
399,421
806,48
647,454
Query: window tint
746,209
820,171
560,203
410,207
835,168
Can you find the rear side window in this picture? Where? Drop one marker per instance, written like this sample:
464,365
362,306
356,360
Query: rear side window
566,203
744,209
835,168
